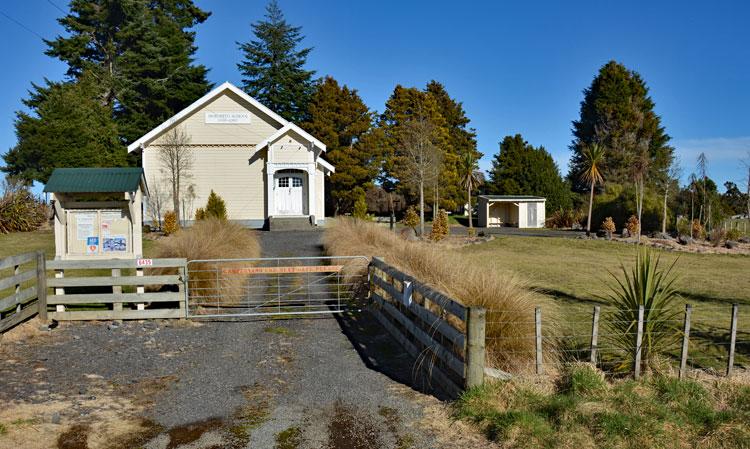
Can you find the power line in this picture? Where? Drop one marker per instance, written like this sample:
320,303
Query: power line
55,5
22,25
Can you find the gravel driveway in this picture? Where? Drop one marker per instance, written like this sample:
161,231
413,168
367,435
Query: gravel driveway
328,382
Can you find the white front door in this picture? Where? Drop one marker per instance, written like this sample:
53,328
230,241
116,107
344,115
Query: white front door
289,194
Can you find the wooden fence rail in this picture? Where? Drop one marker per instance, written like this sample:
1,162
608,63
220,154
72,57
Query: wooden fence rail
22,294
443,334
76,295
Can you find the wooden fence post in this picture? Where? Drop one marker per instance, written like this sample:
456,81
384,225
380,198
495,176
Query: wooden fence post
140,289
638,345
685,340
538,328
181,289
116,289
595,334
59,290
17,291
732,339
41,285
475,335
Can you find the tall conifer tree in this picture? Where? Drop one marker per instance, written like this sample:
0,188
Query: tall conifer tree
273,67
141,53
618,113
521,169
341,120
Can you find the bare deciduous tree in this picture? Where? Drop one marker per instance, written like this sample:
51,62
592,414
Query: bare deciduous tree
157,199
176,157
419,157
673,175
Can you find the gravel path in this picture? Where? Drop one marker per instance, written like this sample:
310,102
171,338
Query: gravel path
329,382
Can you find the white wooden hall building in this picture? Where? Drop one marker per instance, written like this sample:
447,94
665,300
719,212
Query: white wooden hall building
262,165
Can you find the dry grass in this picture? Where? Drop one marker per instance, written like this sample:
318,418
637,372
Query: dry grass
507,297
211,239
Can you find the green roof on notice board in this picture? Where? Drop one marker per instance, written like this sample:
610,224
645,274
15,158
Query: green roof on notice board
95,180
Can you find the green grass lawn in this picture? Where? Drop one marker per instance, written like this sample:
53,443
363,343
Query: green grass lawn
573,275
23,242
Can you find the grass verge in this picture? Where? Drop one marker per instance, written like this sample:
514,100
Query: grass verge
581,409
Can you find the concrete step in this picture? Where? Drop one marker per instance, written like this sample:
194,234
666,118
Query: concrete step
281,223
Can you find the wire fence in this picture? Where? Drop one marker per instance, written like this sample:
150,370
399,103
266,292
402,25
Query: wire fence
705,337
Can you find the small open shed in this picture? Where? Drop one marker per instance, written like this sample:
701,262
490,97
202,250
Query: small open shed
97,212
518,211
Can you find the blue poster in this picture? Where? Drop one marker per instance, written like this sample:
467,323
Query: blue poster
92,245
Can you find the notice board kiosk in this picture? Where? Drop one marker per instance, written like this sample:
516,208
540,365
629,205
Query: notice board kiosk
97,212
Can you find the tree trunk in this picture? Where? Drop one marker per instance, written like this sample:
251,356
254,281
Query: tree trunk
468,201
640,206
421,208
591,206
664,219
176,200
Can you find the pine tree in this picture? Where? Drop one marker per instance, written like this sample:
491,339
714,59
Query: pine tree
70,127
341,120
521,169
141,54
618,113
273,66
461,140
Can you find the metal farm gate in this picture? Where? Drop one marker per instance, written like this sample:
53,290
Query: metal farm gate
223,288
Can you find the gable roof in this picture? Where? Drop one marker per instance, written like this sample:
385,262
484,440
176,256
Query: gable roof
291,127
199,103
96,180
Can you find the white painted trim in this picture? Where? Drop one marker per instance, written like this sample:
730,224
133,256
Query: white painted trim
327,165
138,144
291,127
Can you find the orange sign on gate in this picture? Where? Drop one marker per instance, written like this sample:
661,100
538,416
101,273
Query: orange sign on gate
281,270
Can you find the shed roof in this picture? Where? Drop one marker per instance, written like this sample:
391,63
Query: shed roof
95,180
515,198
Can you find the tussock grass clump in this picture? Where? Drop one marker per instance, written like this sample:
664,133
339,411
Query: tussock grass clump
508,298
583,410
210,239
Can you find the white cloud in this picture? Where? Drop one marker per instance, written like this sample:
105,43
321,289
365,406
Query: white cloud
727,157
717,149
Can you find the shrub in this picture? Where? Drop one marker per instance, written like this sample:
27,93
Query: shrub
632,226
645,284
360,207
411,218
717,236
733,234
20,211
565,218
211,239
697,230
200,214
508,298
608,226
440,228
683,226
215,207
170,223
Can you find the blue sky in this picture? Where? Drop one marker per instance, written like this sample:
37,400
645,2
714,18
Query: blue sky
518,67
